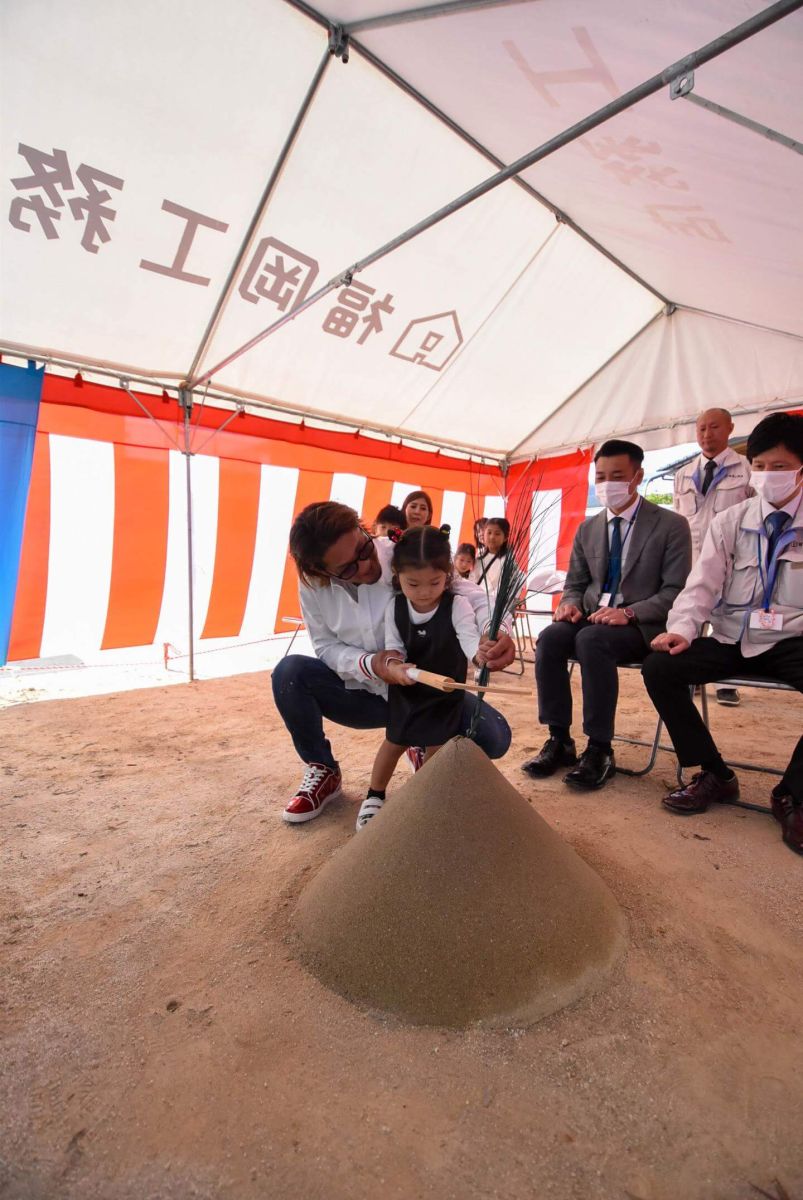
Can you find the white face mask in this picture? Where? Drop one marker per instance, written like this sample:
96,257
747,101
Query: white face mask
774,486
615,494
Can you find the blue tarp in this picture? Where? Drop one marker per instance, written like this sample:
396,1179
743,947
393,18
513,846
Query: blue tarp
20,391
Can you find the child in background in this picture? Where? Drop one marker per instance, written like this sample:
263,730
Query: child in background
489,568
479,529
431,628
387,518
465,559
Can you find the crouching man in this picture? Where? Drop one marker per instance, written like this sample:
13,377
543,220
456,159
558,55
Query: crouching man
344,589
748,582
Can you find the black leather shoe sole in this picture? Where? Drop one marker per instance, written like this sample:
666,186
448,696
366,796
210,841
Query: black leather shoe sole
537,770
592,784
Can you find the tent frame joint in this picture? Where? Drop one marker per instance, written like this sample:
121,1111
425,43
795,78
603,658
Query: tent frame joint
339,43
681,85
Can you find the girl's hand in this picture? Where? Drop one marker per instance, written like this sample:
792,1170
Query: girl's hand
397,673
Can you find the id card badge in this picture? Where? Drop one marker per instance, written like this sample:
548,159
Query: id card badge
760,619
605,600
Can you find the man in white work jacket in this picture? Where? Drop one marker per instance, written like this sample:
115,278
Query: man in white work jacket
748,582
717,479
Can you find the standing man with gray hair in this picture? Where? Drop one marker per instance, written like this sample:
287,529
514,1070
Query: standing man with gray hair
715,480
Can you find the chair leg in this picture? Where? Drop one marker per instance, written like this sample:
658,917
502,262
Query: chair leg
655,746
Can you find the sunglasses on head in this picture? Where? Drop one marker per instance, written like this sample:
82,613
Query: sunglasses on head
351,569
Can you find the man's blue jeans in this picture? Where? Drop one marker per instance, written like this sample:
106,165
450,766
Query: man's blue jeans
306,690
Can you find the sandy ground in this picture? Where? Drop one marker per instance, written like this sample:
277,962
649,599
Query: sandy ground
159,1039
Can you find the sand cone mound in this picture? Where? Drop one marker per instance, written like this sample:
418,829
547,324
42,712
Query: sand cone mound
459,904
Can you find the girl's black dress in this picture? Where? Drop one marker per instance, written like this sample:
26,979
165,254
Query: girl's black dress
419,715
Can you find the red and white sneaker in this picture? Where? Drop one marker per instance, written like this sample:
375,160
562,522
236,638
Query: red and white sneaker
319,785
415,758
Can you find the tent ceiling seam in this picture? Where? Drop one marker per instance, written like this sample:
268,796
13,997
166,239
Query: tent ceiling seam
661,314
256,220
495,307
705,312
775,405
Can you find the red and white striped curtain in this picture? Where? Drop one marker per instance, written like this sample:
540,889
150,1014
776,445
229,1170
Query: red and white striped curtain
104,554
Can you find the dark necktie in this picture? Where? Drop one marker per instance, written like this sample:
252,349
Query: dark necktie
614,560
774,524
708,474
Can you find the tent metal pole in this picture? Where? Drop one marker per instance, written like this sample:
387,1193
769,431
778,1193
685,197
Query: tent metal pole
185,400
715,316
446,8
773,135
562,217
257,218
173,441
649,87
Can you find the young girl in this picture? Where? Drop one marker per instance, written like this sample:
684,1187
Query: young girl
489,567
431,628
465,558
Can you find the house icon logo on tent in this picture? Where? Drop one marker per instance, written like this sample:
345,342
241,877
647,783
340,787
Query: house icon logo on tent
430,341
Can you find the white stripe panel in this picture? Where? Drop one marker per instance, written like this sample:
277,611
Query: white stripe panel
453,505
494,506
348,489
401,491
173,619
544,533
277,493
81,543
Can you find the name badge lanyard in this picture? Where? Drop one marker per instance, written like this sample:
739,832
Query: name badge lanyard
613,590
718,475
769,577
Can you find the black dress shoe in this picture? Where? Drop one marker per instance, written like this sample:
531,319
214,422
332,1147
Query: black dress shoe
594,769
554,753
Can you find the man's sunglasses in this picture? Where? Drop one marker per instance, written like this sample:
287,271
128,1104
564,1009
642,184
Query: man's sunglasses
351,569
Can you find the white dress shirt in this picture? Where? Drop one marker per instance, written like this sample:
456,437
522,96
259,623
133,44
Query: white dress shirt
625,530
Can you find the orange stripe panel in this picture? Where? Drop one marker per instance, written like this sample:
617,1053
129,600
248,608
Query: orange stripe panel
238,510
312,486
29,606
377,495
436,496
469,517
139,553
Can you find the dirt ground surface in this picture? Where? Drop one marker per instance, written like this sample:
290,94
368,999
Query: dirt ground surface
159,1040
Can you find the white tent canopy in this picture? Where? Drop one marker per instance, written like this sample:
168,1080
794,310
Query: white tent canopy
178,177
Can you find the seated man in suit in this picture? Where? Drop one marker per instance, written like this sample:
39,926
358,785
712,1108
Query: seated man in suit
748,582
628,564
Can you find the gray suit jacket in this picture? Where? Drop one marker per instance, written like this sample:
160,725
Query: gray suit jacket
658,561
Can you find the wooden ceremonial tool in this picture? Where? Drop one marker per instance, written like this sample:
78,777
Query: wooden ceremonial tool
444,683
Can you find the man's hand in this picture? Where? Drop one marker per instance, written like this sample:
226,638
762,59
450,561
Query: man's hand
497,654
568,612
673,642
387,666
609,616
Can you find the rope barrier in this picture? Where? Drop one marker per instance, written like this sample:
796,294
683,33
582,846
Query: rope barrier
11,670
